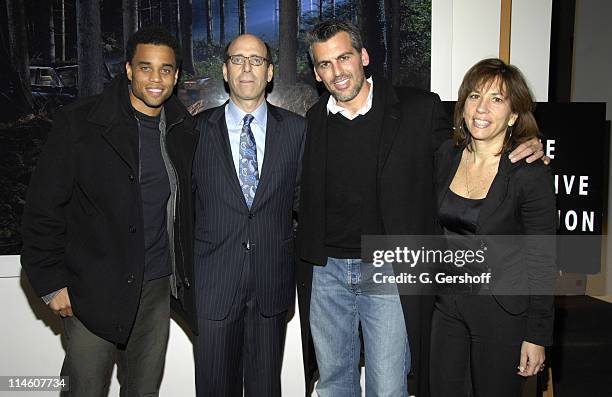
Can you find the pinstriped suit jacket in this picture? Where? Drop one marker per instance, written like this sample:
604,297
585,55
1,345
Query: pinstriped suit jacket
224,225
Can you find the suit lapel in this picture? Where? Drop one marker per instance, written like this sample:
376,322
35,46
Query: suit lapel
390,127
124,141
449,174
497,192
271,152
317,156
220,139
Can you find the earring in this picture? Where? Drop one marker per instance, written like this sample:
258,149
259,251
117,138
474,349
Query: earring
465,133
509,131
463,127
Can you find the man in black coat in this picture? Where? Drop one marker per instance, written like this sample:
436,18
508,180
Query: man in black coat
367,170
246,177
108,220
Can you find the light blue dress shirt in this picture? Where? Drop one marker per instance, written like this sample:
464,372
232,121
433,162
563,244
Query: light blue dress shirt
234,119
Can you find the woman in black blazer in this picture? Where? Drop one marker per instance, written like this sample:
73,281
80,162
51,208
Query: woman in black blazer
485,343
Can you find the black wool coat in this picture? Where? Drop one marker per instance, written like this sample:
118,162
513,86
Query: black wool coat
411,131
83,221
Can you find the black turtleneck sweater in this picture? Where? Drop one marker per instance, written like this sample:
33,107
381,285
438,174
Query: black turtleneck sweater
351,206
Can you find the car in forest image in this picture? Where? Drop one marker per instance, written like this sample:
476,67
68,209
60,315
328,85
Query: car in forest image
49,82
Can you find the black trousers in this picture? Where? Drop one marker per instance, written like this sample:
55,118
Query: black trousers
245,348
475,348
90,359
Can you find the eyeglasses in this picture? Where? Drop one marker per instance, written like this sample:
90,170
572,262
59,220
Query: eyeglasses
254,60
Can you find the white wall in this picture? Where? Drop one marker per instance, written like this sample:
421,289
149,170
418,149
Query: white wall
31,345
530,43
591,82
466,31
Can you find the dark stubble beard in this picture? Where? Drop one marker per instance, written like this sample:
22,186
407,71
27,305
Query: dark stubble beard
353,93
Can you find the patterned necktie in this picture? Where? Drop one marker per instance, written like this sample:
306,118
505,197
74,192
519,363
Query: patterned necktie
248,172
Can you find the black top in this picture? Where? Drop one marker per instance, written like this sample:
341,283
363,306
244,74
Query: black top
459,214
520,201
350,185
155,189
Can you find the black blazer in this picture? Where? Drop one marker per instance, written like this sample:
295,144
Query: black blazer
83,223
224,224
520,201
411,131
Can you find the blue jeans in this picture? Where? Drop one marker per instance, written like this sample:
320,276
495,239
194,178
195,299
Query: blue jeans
344,295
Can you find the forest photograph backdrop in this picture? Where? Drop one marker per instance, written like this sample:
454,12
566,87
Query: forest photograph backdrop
54,51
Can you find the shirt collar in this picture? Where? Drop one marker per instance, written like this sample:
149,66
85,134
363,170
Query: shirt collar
234,115
333,107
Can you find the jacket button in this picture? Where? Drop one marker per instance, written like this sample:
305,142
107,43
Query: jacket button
251,216
130,279
187,283
131,177
246,246
132,229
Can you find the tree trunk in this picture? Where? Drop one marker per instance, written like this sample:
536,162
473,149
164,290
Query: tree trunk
63,32
361,8
209,21
393,41
169,16
221,23
130,19
51,45
373,34
18,48
89,50
179,26
287,47
186,16
275,21
242,17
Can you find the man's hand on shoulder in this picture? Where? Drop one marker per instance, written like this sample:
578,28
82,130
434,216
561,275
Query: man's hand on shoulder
60,304
532,150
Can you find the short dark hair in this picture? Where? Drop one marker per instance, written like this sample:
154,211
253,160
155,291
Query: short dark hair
514,88
326,30
156,35
226,53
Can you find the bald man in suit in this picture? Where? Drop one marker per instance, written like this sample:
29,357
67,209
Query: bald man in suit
246,178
